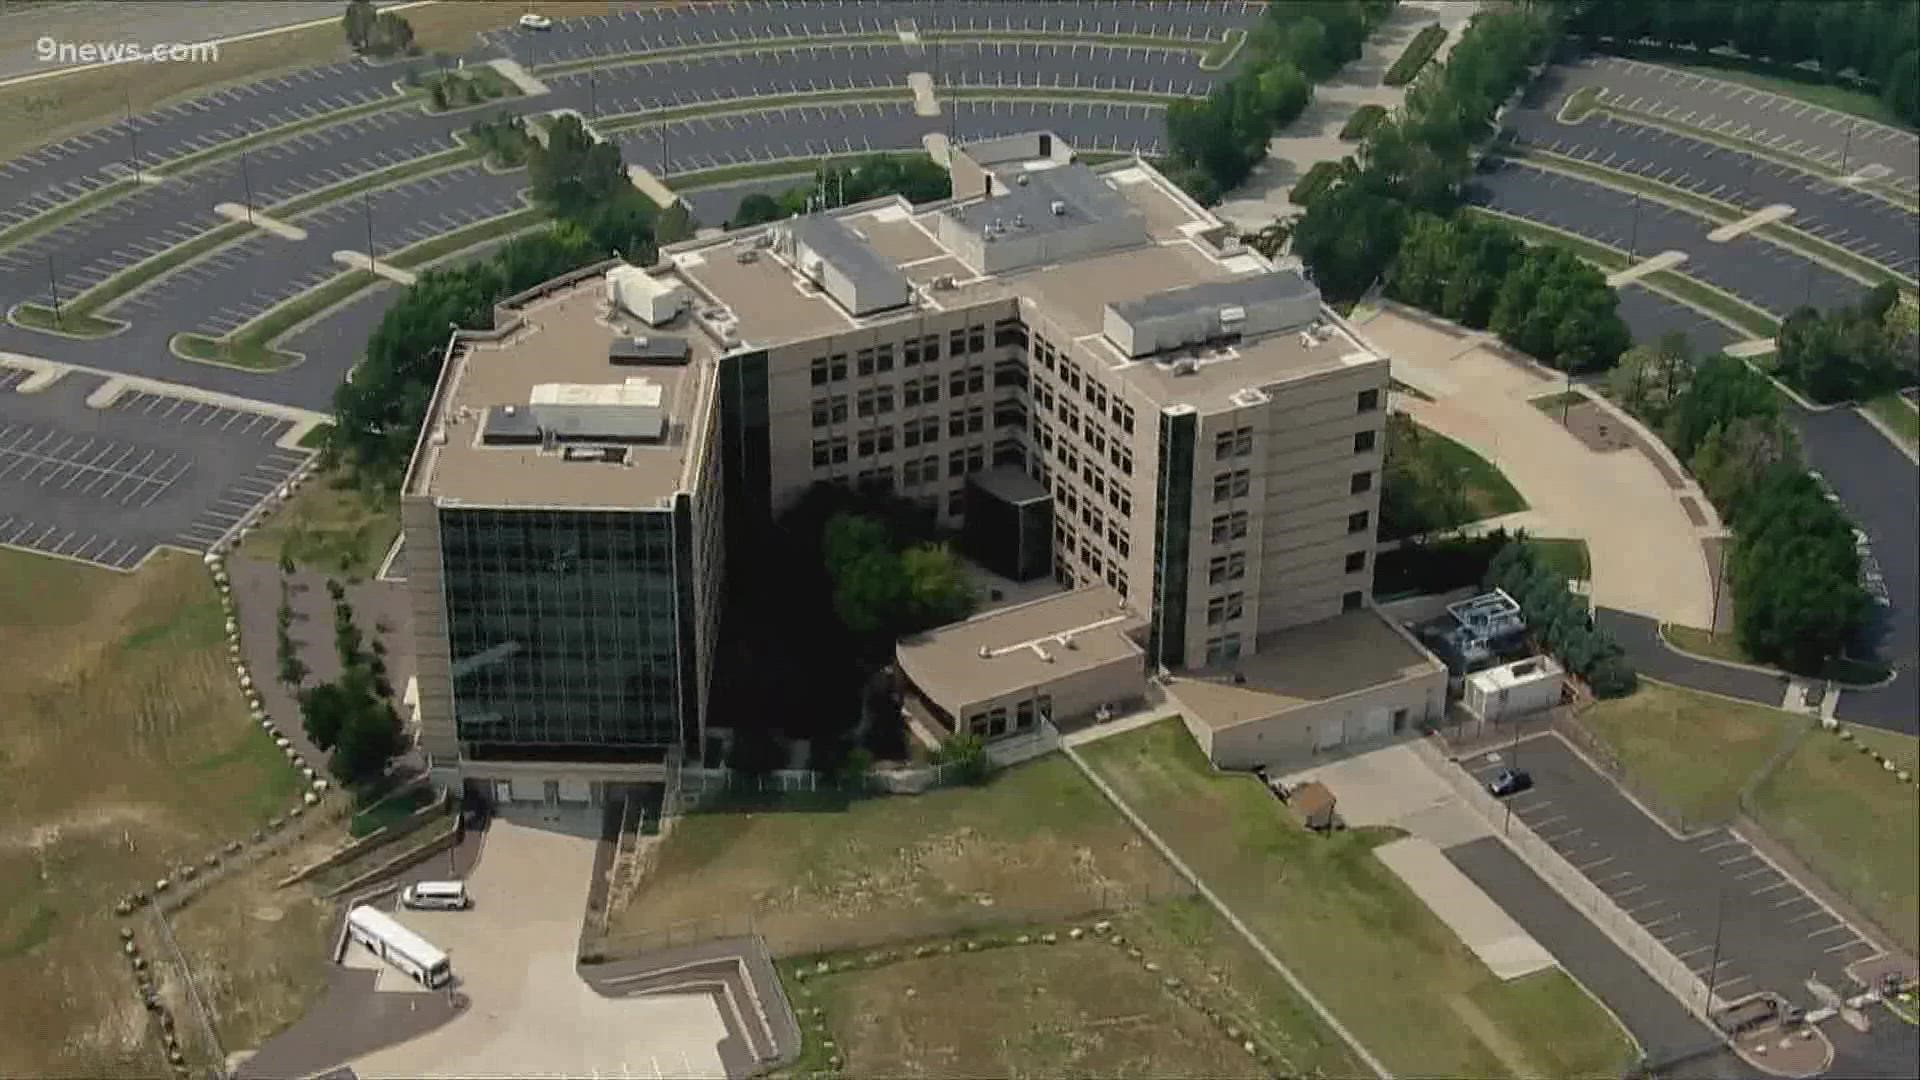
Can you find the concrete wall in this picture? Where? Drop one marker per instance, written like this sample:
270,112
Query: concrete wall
1074,696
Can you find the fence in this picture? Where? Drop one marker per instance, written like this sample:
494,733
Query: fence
697,785
1632,938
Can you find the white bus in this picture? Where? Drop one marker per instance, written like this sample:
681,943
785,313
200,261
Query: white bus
398,946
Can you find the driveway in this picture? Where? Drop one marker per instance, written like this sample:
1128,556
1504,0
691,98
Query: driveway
1646,554
514,960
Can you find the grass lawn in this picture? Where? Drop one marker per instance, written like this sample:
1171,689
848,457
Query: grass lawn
388,811
1423,461
1691,752
331,526
129,751
1553,404
1852,823
1700,643
1384,963
822,872
1087,1008
1568,558
1894,411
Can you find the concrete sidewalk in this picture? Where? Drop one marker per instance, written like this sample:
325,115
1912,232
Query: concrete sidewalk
1483,926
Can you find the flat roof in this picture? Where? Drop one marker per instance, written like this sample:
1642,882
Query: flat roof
773,305
1306,665
1024,646
564,338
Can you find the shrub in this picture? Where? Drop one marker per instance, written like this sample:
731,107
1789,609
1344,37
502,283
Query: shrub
966,755
1613,677
1316,181
1362,122
1418,52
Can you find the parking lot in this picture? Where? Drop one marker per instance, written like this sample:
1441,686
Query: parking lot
1744,112
1860,222
106,486
1719,906
1764,274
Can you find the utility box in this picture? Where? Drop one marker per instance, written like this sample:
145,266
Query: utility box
645,297
1514,690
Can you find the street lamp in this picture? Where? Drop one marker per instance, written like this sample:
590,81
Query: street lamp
133,135
246,183
53,285
366,204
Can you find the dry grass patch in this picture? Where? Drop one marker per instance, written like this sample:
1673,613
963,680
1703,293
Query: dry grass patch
816,873
125,749
1367,946
1662,735
330,526
1850,820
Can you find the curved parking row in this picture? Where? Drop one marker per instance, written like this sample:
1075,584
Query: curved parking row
1857,221
682,26
62,171
1762,273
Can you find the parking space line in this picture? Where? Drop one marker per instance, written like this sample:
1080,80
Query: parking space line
1814,914
1829,930
1781,884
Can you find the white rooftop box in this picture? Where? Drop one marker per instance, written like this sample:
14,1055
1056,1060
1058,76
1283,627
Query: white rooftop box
644,296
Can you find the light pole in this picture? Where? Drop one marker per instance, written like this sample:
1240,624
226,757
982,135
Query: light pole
1633,243
593,106
53,285
1846,148
246,183
1713,973
133,135
366,204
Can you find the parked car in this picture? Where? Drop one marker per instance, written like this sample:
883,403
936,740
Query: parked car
1509,782
533,21
436,896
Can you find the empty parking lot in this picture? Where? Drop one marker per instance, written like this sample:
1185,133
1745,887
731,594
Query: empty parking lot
106,486
1723,909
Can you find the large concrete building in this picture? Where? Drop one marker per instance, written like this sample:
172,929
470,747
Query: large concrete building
1081,371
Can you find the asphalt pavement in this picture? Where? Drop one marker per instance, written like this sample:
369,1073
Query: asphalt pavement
1764,274
1745,112
107,486
1860,222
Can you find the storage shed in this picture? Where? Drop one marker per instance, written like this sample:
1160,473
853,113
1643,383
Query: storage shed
1514,690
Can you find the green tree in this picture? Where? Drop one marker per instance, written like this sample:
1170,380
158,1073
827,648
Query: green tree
966,756
674,224
358,23
938,588
755,209
324,711
1348,237
1736,456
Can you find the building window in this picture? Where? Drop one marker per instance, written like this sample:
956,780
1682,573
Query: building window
1225,608
1358,522
956,503
829,369
1362,481
883,358
1363,440
910,352
1356,561
970,422
878,441
1231,526
863,362
957,342
1229,567
1230,485
1369,400
1231,444
969,460
829,410
1351,601
829,451
1223,648
976,339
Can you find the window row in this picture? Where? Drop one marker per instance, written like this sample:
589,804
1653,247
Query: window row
879,359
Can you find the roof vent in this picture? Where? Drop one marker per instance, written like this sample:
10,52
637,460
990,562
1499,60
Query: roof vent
1021,179
1019,221
1059,207
986,653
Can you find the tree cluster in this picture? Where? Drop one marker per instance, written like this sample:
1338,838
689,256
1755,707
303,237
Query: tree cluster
599,214
1848,354
503,139
915,177
353,716
884,590
293,671
1419,158
1217,140
1543,300
1795,572
1876,42
377,33
1421,492
807,647
1560,621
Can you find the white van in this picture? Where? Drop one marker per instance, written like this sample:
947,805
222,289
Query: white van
436,895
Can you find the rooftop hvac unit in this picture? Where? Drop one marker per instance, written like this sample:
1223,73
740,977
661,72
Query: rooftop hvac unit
1021,179
1186,365
1233,315
945,281
1059,207
1019,221
986,653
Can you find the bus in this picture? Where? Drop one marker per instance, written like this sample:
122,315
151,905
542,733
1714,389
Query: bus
399,946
